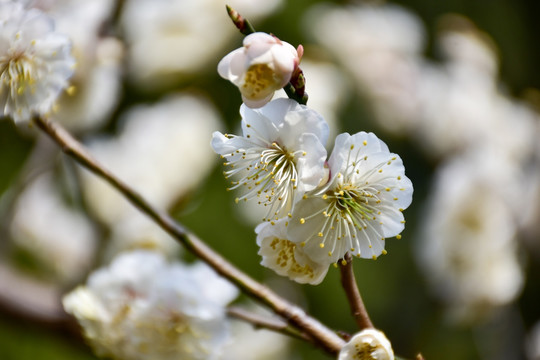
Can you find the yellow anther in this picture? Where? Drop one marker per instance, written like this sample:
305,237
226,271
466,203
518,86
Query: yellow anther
321,245
398,236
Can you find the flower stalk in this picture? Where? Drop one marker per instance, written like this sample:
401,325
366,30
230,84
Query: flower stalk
350,286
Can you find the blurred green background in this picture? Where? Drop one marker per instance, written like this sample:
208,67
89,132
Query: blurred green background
393,289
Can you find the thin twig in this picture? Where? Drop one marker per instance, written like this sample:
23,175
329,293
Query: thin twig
294,315
348,282
264,322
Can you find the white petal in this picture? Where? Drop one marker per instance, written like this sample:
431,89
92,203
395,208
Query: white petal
311,166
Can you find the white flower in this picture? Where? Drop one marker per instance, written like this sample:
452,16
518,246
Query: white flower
359,207
35,62
368,344
280,155
265,64
142,308
285,257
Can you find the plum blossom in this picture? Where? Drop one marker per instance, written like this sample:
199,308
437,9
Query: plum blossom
263,65
359,207
280,155
369,344
140,308
35,62
467,215
285,257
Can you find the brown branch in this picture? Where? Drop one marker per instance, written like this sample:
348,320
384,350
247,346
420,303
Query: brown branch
348,282
264,322
293,314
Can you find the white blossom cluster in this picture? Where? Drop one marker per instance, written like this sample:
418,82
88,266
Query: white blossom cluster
141,307
318,207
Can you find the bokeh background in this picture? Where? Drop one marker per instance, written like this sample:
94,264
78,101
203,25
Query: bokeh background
451,86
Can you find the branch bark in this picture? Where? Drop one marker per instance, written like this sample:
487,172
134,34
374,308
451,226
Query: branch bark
264,322
293,314
348,282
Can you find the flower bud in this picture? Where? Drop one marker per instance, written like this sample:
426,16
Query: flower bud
263,65
368,344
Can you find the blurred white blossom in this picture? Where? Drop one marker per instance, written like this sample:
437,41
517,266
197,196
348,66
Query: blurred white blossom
379,45
468,246
60,236
447,105
360,206
140,307
368,344
160,151
263,65
35,62
95,85
170,39
279,156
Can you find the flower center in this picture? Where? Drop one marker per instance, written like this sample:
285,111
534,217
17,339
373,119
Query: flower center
286,258
350,210
16,74
364,352
269,175
259,81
